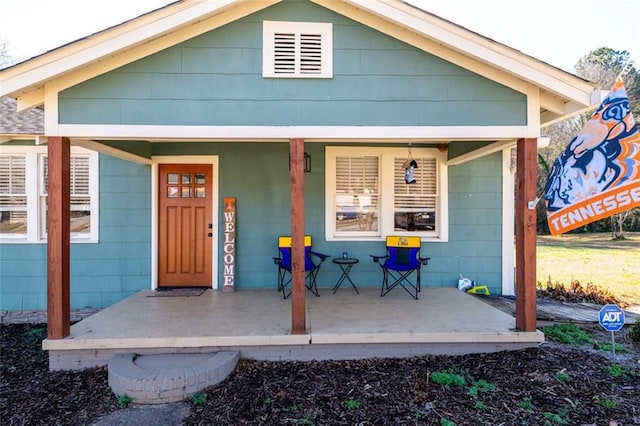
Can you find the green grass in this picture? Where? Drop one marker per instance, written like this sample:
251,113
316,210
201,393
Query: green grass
567,333
592,258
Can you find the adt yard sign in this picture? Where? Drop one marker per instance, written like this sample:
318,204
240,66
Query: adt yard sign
611,317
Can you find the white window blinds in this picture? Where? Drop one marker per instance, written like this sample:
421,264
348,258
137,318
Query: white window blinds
13,196
418,196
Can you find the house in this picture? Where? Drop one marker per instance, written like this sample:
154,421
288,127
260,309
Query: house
150,125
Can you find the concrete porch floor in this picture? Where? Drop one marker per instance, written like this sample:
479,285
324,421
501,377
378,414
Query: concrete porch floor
257,323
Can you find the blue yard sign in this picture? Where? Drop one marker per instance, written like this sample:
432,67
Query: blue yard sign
611,317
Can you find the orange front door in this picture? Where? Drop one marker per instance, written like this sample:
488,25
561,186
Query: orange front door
184,225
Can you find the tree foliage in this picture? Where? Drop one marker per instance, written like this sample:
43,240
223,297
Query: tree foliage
5,58
601,66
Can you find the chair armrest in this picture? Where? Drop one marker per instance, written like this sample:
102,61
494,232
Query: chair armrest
424,260
376,259
322,257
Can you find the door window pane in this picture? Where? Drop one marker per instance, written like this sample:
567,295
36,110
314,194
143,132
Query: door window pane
172,192
172,178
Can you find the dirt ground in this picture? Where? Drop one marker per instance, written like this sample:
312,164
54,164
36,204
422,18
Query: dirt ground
554,384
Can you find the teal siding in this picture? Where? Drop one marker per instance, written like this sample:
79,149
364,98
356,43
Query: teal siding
257,174
216,79
103,273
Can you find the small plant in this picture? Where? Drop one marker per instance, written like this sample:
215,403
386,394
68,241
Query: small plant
447,378
619,370
305,420
445,422
527,404
567,333
294,407
607,403
563,377
553,419
479,405
352,404
268,401
198,398
124,400
606,346
481,385
634,331
36,334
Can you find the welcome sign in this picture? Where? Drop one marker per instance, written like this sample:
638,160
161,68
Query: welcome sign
229,245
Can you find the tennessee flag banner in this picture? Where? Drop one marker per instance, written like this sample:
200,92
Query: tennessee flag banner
598,174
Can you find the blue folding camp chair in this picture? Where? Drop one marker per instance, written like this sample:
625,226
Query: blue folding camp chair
401,265
311,268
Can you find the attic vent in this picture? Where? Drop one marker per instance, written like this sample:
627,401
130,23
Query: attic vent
297,49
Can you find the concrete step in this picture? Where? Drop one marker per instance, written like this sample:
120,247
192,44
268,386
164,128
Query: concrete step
162,378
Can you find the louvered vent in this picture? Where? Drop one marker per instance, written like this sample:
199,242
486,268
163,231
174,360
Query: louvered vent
297,49
284,61
310,54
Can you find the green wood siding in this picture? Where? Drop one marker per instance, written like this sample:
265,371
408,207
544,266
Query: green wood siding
216,79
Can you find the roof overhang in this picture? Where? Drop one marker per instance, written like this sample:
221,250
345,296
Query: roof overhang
558,94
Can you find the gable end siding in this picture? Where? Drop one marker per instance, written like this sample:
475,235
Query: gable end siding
216,79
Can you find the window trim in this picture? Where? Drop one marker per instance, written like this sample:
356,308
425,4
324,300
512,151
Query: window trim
323,29
33,179
386,192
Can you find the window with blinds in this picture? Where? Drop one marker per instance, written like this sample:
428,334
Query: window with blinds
24,183
367,196
13,195
297,49
414,204
80,198
356,195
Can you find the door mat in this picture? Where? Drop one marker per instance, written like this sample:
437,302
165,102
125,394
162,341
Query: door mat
177,292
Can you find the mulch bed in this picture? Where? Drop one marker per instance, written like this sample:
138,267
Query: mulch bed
554,384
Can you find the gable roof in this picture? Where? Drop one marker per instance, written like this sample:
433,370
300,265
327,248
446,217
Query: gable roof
560,93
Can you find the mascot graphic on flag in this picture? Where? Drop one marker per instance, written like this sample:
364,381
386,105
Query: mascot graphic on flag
598,174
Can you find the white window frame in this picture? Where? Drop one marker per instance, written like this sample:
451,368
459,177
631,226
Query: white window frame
297,31
33,176
385,194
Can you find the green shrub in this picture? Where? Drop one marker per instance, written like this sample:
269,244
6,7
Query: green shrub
447,378
634,331
567,333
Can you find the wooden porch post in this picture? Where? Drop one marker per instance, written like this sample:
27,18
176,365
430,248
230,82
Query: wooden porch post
298,302
526,235
58,215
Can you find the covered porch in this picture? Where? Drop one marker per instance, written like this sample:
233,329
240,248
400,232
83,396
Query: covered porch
257,323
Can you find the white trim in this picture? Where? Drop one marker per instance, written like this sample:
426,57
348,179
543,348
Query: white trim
114,152
214,161
385,196
322,29
173,24
284,133
508,224
480,152
132,40
33,180
394,18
